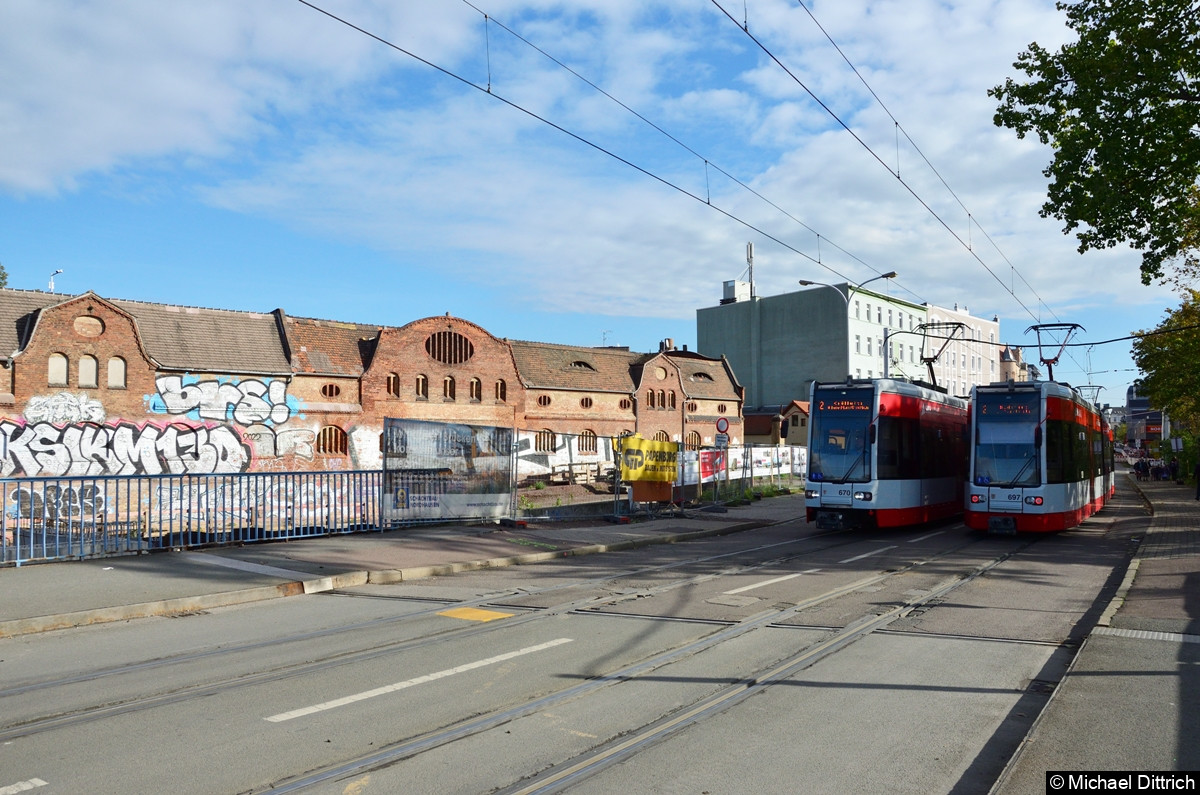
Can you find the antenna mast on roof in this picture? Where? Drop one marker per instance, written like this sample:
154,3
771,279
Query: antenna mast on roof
750,263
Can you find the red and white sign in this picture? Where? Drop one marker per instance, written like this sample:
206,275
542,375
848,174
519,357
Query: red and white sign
722,425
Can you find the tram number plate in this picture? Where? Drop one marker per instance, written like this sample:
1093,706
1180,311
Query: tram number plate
1002,525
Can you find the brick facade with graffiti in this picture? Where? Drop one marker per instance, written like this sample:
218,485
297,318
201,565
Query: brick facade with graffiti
97,386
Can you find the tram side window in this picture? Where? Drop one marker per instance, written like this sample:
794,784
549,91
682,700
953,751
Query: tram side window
1083,458
943,449
897,448
1060,452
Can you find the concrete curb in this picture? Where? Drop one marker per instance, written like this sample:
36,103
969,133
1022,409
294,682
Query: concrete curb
192,604
392,576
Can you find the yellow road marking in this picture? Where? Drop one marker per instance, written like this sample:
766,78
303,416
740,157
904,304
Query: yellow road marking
474,614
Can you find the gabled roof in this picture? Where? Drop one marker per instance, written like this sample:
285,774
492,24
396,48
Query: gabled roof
176,337
329,347
548,366
789,409
209,340
18,310
704,377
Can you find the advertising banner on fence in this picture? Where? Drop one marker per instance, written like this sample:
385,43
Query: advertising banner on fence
646,459
712,465
440,471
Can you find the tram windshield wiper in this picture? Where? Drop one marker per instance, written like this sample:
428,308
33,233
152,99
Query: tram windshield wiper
1017,479
855,464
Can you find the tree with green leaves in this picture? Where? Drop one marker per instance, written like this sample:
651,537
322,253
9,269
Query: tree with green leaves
1120,107
3,277
1169,356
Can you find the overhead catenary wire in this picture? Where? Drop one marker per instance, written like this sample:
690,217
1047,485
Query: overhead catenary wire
895,173
489,90
900,130
708,164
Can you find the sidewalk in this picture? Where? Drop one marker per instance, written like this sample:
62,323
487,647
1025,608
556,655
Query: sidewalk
1131,699
48,596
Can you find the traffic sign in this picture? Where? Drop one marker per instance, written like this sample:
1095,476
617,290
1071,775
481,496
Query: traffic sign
722,425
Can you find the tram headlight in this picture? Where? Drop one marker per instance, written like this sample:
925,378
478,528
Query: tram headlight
811,494
1033,500
862,496
976,499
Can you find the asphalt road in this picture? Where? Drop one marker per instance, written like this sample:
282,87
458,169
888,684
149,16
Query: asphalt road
777,660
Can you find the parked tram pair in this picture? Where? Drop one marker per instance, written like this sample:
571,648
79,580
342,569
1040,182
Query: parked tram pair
1015,457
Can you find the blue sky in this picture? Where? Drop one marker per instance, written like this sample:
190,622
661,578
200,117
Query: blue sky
261,155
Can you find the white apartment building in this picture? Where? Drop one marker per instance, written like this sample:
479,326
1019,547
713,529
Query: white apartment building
778,345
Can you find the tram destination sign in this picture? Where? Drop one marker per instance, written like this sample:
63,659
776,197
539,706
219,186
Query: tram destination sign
1008,406
845,403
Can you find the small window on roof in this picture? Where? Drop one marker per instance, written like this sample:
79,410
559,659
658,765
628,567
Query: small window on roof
579,364
701,377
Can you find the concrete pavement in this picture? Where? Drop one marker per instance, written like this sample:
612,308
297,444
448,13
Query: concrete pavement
1131,699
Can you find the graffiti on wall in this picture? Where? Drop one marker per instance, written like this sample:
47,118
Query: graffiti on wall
122,448
64,408
258,502
57,503
269,443
246,402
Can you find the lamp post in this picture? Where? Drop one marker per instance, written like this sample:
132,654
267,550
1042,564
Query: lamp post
52,278
846,297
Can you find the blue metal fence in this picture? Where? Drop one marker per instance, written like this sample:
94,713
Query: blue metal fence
58,518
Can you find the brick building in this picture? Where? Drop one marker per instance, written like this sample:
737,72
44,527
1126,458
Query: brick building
106,386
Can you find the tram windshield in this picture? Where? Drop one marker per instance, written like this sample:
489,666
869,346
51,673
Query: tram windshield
838,449
1005,428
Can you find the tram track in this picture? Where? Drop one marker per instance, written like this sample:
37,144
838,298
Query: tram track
588,605
99,711
631,741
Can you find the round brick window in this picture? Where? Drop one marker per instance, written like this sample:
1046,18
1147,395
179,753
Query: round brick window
89,326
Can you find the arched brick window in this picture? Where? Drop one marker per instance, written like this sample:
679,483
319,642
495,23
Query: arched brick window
116,373
88,371
545,442
587,442
332,440
56,370
693,440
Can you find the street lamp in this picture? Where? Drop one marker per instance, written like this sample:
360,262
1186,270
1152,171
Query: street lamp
52,278
846,297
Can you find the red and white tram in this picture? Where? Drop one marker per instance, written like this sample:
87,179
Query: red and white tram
1041,458
884,453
